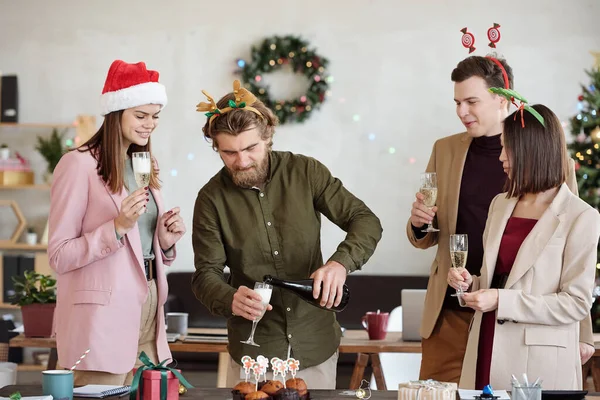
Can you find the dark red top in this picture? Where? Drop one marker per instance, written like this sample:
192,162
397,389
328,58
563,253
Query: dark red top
515,233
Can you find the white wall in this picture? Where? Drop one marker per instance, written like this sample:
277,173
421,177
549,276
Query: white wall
391,60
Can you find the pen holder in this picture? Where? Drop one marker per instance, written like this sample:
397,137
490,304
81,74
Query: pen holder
521,392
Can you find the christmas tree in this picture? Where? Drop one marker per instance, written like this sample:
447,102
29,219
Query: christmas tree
585,149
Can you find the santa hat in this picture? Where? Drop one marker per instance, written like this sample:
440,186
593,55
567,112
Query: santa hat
131,85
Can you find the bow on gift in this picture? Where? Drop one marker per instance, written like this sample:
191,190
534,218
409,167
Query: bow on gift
164,371
511,96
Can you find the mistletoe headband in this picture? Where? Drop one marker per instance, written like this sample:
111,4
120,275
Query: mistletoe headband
493,34
243,100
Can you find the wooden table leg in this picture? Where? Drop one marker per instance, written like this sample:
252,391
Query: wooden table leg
596,372
53,359
222,369
378,372
359,370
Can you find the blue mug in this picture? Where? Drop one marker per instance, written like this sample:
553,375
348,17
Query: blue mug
58,383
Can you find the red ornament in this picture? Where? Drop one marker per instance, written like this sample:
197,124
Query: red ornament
493,35
577,166
580,98
468,40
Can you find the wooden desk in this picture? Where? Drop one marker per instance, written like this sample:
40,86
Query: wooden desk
214,394
354,341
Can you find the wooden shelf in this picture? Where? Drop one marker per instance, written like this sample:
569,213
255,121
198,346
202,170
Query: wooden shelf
36,125
21,187
24,246
31,367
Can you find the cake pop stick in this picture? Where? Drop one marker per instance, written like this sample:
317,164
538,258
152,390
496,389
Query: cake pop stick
247,362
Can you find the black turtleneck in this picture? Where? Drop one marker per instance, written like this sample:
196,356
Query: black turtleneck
482,179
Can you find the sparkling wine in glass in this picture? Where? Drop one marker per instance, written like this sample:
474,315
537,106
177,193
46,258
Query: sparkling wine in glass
429,191
142,167
264,290
459,249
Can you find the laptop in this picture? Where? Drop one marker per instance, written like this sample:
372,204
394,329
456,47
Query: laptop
413,301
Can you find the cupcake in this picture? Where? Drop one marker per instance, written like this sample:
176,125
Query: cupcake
287,394
242,389
257,395
272,387
298,384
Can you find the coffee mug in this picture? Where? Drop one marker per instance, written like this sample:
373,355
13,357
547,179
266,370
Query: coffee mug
58,383
376,324
177,322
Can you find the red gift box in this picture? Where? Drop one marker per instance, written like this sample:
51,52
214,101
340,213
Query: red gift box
151,385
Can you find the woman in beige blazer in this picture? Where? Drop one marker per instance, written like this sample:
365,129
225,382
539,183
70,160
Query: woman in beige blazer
538,269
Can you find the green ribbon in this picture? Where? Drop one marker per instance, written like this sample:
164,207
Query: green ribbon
512,95
233,105
211,113
164,370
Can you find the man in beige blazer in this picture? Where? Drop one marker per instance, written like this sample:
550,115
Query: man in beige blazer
469,176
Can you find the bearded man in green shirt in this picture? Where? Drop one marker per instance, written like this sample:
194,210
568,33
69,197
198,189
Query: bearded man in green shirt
261,215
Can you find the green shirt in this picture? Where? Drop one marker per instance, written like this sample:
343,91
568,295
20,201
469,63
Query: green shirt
277,231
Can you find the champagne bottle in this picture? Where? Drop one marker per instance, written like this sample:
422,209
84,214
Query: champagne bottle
304,289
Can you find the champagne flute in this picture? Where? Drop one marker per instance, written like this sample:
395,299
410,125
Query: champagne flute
142,167
264,290
429,191
459,249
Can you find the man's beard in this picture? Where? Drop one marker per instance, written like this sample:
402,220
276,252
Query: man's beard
254,175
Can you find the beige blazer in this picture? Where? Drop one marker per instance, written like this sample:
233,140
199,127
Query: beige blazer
447,160
547,294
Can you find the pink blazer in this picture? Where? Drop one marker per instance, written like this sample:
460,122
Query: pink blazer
101,284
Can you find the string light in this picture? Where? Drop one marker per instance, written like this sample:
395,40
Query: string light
241,63
190,156
412,160
392,150
579,117
371,137
173,172
356,117
258,78
330,79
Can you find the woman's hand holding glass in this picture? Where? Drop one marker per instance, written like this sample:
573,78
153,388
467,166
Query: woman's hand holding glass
460,279
131,208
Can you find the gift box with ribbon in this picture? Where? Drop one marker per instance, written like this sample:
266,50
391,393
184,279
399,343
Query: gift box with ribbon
427,390
156,381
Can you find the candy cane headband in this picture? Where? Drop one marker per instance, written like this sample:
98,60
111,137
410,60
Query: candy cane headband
243,100
493,34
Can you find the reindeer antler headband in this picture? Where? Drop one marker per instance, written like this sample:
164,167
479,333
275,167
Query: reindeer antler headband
493,34
243,100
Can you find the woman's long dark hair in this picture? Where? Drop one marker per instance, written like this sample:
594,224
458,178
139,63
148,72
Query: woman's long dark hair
105,146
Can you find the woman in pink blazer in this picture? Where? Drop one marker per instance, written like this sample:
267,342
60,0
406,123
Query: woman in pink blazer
536,283
109,241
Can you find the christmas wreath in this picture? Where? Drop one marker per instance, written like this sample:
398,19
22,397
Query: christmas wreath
276,52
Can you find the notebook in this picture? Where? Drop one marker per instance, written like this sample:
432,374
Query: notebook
99,391
412,313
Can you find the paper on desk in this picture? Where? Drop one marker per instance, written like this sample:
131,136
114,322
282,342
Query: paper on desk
49,397
470,394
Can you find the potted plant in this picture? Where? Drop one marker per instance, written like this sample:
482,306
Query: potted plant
36,294
4,152
31,236
52,150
